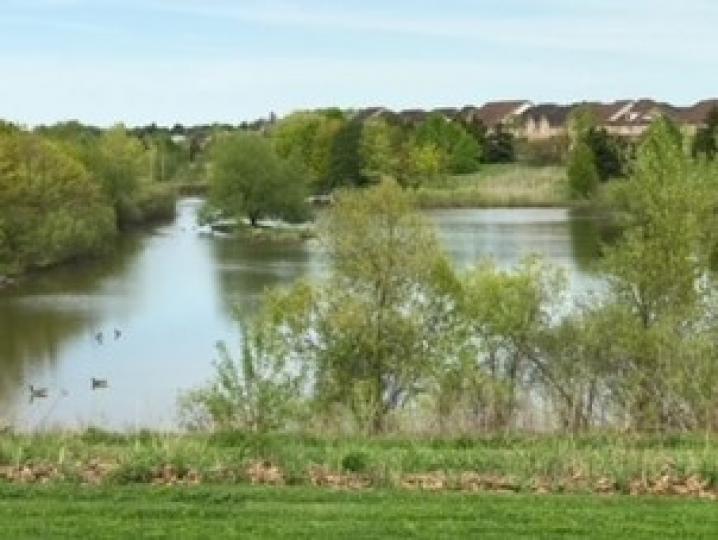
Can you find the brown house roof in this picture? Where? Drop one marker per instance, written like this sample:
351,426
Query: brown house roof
608,112
644,111
622,112
494,112
363,115
449,112
696,114
413,116
556,115
466,113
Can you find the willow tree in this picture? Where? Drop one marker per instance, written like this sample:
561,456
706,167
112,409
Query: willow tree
249,179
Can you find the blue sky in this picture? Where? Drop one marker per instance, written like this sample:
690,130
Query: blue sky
191,61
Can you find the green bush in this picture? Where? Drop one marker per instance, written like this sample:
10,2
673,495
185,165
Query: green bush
356,461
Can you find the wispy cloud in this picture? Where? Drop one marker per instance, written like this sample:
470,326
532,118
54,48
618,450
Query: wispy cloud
202,60
653,28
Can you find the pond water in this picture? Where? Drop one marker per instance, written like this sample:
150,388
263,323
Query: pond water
147,318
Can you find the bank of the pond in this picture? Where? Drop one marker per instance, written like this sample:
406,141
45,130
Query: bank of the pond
680,466
155,204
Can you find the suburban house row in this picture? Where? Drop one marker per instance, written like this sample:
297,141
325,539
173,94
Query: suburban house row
629,118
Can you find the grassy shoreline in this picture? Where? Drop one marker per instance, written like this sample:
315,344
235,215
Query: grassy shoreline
686,465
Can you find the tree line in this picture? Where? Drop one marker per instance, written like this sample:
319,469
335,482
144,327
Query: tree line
67,189
331,149
395,336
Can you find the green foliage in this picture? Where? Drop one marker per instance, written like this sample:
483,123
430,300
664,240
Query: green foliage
356,461
424,165
609,153
308,137
582,173
167,159
499,146
459,151
477,130
374,330
249,178
259,393
51,209
117,161
652,339
705,142
543,152
155,201
666,218
381,150
506,314
581,121
345,161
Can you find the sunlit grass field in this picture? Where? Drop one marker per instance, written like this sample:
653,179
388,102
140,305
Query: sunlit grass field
251,512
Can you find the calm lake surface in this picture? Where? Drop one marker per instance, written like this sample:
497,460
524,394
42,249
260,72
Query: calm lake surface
172,295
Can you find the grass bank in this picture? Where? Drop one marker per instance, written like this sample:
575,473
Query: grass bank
684,465
245,512
511,185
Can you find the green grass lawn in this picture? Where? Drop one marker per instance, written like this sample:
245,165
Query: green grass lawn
247,512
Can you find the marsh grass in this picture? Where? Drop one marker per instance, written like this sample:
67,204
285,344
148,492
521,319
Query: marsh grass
511,185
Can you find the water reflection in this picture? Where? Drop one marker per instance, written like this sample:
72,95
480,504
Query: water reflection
48,310
586,239
172,293
507,235
246,269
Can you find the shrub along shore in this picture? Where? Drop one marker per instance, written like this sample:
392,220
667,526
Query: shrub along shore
542,464
68,190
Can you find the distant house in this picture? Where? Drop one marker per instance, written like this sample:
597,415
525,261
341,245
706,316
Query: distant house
544,121
607,113
634,119
626,118
371,113
694,117
413,117
450,113
495,113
